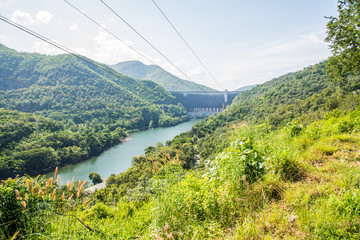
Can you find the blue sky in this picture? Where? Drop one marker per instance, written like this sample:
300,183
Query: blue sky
241,42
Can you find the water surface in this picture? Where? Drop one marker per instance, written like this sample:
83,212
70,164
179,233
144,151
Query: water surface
118,158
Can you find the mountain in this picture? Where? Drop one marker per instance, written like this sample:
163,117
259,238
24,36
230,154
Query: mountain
281,162
65,88
56,110
155,73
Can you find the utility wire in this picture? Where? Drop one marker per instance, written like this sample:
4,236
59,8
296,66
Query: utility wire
102,27
148,42
193,52
98,65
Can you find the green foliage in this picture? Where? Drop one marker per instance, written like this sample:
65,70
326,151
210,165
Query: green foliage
95,178
239,162
21,200
295,181
343,35
187,209
294,128
88,110
32,144
282,162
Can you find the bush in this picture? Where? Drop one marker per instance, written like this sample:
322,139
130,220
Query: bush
194,204
95,178
241,161
21,200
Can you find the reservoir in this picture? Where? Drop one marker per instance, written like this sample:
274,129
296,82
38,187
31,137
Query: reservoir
117,159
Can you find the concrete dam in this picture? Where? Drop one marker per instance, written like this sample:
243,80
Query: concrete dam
203,104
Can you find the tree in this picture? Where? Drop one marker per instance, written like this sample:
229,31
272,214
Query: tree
95,178
344,39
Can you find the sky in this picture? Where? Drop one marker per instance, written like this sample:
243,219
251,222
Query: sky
241,42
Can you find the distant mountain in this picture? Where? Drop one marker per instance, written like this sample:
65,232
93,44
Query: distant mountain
246,88
74,109
65,88
155,73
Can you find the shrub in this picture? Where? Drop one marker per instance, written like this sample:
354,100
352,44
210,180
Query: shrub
240,161
21,200
194,204
95,178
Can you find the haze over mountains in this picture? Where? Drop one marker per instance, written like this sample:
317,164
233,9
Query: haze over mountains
155,73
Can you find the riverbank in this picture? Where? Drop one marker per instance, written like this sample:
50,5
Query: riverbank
98,186
118,158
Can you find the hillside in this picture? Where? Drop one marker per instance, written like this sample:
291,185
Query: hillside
31,144
280,162
155,73
97,107
66,88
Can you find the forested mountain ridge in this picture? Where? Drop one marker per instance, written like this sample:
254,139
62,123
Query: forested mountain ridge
97,106
296,177
67,88
282,162
306,96
155,73
292,95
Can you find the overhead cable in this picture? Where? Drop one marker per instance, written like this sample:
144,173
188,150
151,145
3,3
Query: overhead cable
193,52
148,42
102,27
77,55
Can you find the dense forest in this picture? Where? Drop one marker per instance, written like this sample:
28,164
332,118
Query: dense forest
255,178
282,162
31,144
92,109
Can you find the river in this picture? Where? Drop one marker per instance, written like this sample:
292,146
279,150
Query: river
118,158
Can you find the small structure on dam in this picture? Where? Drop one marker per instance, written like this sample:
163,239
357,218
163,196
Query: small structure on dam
203,104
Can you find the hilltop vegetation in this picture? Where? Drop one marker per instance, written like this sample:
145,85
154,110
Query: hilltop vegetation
294,180
65,88
282,162
155,73
31,144
91,108
296,177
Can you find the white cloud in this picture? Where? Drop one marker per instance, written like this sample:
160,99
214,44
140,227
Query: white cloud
111,51
25,18
43,16
45,48
2,37
21,17
198,72
73,26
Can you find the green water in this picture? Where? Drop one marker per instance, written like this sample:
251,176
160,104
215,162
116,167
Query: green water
118,158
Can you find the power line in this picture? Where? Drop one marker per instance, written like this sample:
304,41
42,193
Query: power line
193,52
100,66
148,42
102,27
